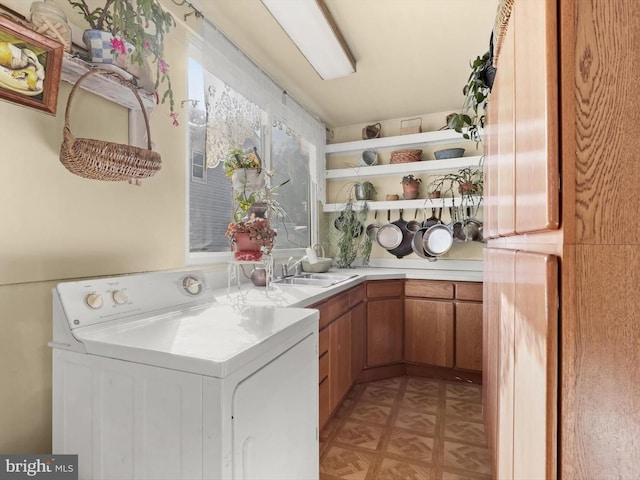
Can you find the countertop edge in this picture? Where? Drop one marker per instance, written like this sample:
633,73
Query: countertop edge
303,296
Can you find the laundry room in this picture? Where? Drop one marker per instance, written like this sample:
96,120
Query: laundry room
228,221
61,226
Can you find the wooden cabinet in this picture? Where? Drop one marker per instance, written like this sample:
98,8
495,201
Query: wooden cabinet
341,347
429,332
384,322
468,345
340,358
365,333
443,324
585,424
521,386
384,331
358,338
523,157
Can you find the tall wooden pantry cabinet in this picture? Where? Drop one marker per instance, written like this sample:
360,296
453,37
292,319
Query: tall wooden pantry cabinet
562,265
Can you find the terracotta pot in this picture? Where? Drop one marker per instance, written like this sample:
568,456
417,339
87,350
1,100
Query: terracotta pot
410,190
468,188
245,244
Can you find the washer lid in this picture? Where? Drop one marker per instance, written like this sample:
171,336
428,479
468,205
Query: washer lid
214,340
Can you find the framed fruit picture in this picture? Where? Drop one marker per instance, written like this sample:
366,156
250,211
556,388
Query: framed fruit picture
30,65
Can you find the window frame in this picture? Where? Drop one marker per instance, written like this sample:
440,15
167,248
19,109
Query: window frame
212,258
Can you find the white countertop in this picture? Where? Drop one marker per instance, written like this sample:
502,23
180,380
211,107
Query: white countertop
304,295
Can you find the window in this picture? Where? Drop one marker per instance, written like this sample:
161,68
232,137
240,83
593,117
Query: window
290,163
288,156
198,168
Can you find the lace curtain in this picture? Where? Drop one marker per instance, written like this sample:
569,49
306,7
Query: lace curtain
223,59
231,119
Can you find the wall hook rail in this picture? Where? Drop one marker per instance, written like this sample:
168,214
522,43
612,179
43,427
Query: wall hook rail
194,10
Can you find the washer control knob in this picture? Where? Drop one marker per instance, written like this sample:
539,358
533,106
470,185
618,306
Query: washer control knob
119,297
192,285
94,300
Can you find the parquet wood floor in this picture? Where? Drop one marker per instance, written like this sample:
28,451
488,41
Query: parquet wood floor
406,428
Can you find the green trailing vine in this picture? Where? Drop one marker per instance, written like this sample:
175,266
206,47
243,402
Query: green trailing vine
348,231
476,91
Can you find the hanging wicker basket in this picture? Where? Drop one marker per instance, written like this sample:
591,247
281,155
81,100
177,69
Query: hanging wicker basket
108,161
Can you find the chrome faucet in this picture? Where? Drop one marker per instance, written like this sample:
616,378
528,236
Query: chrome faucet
286,267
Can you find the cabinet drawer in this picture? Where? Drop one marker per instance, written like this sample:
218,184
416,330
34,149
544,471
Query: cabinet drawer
323,370
384,288
323,341
469,291
337,306
428,289
356,295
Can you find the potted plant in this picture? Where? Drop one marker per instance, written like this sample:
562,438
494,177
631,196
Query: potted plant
467,182
131,30
476,92
364,190
251,237
244,168
410,187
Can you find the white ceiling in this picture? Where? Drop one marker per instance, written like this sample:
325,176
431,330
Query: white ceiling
412,56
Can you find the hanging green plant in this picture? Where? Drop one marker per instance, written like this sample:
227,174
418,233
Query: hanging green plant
471,120
348,233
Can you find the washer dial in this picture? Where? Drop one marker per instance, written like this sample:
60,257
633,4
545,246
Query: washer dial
94,300
119,297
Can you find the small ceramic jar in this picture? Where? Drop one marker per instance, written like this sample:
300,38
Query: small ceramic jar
49,20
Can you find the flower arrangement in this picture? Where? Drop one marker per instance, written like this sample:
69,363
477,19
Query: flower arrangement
129,22
259,230
238,159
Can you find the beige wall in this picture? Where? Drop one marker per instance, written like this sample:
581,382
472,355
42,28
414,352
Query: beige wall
57,226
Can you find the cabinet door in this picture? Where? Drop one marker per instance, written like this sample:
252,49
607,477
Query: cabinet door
429,332
358,339
469,336
340,358
490,165
505,213
534,25
498,346
535,366
384,331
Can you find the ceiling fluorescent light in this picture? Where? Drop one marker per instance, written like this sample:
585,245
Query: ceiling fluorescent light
311,27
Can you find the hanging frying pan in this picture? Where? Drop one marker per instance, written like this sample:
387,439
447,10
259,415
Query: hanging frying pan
389,236
404,248
416,245
437,240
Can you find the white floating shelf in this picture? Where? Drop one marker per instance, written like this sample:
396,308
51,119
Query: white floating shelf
106,86
428,166
407,204
404,141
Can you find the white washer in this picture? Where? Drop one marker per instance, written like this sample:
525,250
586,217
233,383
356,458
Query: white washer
152,379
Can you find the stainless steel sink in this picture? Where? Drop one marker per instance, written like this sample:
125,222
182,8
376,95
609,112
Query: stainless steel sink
313,279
